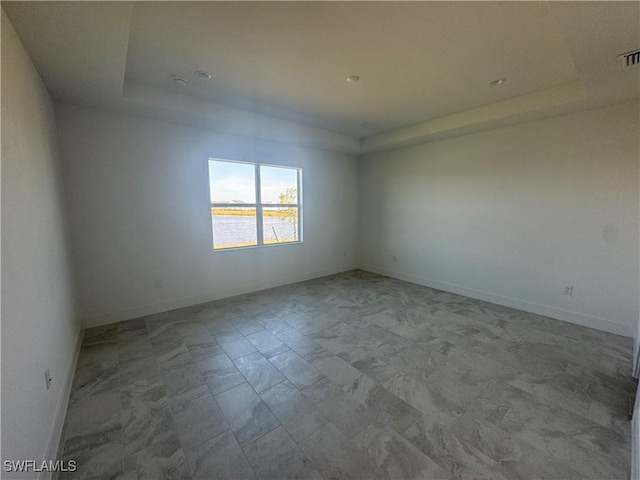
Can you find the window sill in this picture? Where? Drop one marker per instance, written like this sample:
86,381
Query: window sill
253,247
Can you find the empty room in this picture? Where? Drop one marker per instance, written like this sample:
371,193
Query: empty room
320,240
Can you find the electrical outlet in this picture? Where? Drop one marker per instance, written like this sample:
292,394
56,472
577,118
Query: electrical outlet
395,259
47,378
344,254
158,283
568,290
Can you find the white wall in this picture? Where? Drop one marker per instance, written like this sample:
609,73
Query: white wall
138,194
40,323
513,215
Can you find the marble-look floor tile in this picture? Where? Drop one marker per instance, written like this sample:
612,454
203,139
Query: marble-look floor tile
508,407
176,356
298,342
157,462
376,368
386,337
226,337
413,392
297,370
274,324
594,450
355,354
246,413
93,414
513,360
248,326
602,388
131,328
613,367
388,319
164,339
220,458
275,456
370,375
151,319
197,420
511,451
603,442
322,390
220,373
146,420
418,361
98,353
386,407
258,371
454,391
294,411
220,326
235,345
337,457
97,456
333,342
267,343
138,376
395,456
193,333
136,348
303,323
203,351
183,382
336,369
561,349
345,412
101,334
552,389
610,418
358,336
469,364
95,379
434,436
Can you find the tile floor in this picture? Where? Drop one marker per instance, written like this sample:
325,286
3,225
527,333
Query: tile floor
353,376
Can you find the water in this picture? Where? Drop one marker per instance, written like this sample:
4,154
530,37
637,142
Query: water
235,229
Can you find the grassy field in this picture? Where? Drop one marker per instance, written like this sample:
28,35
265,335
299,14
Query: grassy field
251,244
247,212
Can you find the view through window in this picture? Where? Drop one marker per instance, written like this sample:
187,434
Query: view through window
254,204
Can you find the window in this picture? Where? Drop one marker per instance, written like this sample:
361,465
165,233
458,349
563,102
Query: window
254,204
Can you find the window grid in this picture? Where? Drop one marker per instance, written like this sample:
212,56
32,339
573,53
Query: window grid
259,206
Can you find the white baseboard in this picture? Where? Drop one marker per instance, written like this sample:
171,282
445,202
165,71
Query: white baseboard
545,310
635,439
552,312
144,310
55,435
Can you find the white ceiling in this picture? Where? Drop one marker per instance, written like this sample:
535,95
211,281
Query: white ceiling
279,68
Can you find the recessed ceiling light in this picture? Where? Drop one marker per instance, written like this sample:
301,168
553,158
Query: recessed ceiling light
202,74
498,81
353,78
181,82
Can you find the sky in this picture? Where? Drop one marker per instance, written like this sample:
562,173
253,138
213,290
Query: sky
235,181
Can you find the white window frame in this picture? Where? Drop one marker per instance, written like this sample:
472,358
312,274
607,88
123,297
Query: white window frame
259,206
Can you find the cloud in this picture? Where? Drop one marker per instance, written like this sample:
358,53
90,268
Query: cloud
230,181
